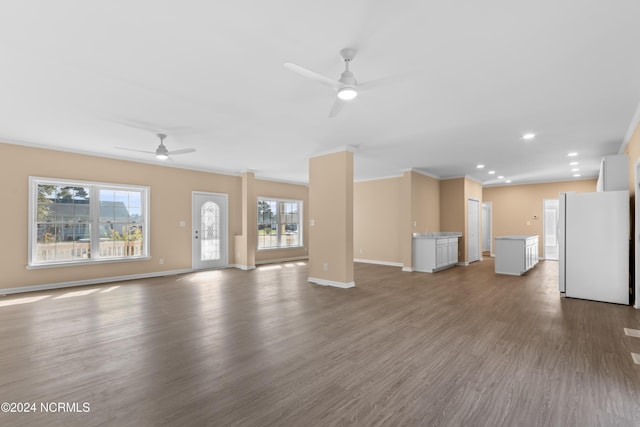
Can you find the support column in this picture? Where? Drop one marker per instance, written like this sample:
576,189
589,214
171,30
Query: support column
246,243
330,224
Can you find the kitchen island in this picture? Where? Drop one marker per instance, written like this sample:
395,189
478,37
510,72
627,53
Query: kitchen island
516,254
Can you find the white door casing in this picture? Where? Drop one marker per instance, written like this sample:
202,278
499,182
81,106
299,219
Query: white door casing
473,230
550,227
486,227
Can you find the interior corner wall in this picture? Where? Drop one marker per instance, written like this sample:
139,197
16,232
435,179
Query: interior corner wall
425,206
453,206
170,202
331,210
515,207
633,151
472,190
377,220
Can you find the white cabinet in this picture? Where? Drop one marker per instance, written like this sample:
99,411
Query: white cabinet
435,251
453,250
516,254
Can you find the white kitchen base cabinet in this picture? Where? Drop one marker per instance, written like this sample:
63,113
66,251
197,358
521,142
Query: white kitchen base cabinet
516,254
435,251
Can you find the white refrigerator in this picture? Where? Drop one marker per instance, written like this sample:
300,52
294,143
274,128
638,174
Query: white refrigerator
593,232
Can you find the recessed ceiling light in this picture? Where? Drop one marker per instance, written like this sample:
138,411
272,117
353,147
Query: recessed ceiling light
492,172
572,154
576,175
528,136
480,166
501,177
574,164
575,170
508,181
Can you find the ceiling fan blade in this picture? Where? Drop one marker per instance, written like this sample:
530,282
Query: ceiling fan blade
183,151
335,84
337,107
132,149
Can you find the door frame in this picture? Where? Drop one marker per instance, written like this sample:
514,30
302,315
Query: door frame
478,231
224,250
544,227
489,206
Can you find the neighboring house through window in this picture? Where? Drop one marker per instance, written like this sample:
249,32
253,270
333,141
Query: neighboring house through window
279,223
75,222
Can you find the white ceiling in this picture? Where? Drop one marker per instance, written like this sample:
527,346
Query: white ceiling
456,83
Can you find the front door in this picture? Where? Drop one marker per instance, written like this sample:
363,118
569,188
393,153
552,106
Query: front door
210,231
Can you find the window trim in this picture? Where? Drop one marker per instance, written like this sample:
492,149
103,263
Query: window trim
300,223
94,215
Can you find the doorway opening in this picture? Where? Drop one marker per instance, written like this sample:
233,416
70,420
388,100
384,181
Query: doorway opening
551,209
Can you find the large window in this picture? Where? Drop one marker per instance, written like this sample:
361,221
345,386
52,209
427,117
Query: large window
279,223
83,222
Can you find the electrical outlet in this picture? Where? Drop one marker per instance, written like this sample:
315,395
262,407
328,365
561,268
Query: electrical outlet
161,261
325,267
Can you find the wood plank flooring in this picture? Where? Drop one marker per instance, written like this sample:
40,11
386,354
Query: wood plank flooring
462,347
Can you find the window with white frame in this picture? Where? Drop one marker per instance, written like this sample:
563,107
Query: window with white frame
279,223
76,222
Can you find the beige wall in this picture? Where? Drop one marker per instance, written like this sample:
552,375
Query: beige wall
171,200
515,206
453,208
454,194
633,150
377,213
472,190
331,209
385,211
425,203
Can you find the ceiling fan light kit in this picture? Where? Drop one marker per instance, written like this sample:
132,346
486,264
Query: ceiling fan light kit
161,152
347,93
346,86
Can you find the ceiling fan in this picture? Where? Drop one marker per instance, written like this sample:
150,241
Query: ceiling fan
346,87
161,152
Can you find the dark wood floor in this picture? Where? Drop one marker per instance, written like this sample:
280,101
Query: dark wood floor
461,347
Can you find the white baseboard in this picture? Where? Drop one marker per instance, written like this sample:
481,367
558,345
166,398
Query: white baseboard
463,264
407,269
374,261
324,282
243,267
87,282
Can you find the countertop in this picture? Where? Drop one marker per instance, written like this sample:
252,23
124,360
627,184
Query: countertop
517,236
436,234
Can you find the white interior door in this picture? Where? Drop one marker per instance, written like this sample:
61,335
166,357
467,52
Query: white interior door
473,230
210,231
551,209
